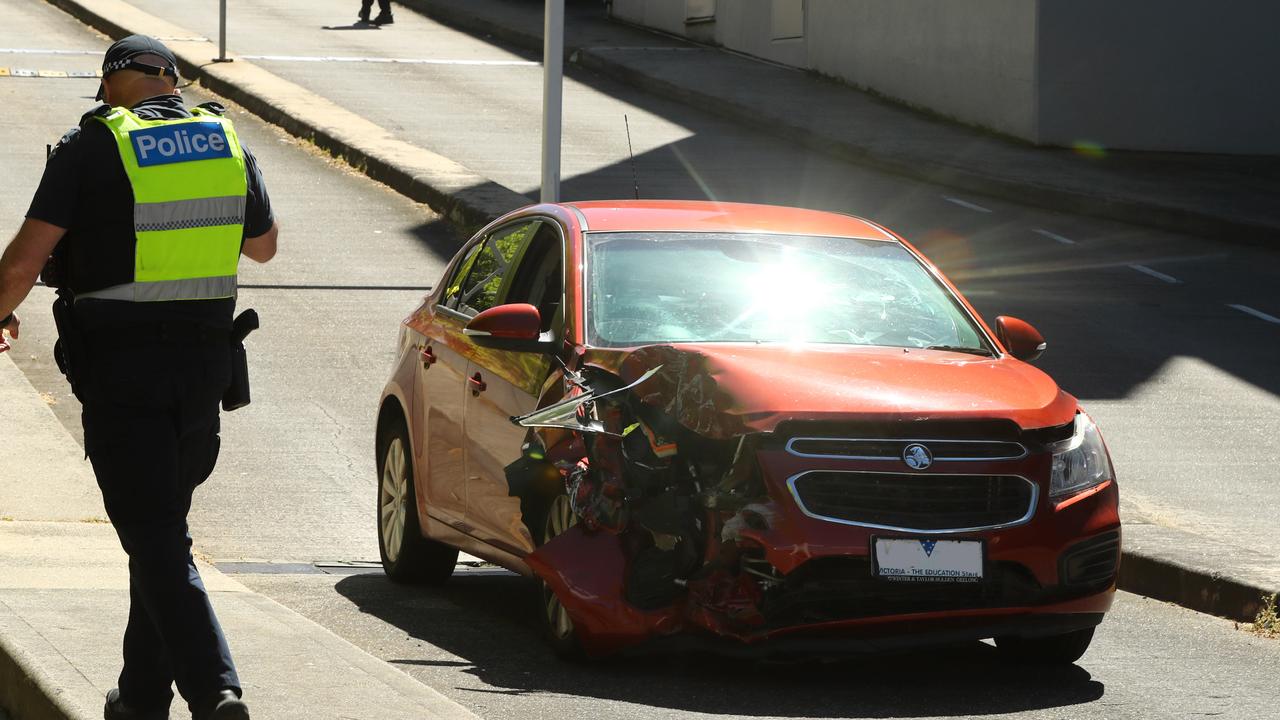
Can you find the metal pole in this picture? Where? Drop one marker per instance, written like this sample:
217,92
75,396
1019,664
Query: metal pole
222,31
552,93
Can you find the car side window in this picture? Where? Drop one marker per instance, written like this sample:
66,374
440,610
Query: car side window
484,271
453,286
539,280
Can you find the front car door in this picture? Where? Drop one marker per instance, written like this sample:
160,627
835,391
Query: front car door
504,384
445,352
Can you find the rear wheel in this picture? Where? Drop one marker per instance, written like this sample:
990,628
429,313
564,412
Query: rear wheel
407,556
1052,650
557,626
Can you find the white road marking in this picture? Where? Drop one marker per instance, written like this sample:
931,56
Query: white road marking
1156,274
1054,236
400,61
645,48
1256,313
30,51
965,204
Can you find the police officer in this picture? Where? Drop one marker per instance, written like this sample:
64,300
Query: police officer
149,206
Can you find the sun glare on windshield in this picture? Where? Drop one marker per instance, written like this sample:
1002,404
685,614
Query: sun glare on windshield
730,287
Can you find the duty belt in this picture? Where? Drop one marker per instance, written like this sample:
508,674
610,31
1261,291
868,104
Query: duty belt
165,333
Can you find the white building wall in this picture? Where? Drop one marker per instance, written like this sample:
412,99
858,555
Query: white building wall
973,60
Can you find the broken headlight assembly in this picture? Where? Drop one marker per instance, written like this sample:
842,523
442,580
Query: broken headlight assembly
1081,462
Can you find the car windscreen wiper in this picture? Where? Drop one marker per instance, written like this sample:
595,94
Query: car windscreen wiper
970,350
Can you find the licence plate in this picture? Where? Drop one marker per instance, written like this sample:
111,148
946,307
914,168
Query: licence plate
928,560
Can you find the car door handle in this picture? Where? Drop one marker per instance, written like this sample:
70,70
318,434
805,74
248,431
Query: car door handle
428,357
477,384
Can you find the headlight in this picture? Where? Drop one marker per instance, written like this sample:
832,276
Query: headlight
1081,462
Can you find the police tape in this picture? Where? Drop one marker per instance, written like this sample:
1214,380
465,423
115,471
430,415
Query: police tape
26,73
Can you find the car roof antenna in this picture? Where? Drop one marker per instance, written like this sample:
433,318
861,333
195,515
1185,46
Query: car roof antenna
635,179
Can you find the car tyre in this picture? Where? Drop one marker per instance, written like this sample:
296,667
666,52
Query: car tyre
407,556
1052,650
557,626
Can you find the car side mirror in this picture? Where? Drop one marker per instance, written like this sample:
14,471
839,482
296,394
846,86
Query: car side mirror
514,328
1019,338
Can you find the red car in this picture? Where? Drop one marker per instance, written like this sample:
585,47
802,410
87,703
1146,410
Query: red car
760,428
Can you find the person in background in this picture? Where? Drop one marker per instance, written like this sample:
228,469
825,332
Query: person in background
384,12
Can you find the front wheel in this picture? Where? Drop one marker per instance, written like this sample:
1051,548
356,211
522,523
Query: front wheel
557,626
407,556
1052,650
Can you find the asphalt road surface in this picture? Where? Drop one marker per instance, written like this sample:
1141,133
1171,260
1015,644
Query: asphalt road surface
1172,343
1184,385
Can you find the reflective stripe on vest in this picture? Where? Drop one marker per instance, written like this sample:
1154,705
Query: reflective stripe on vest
189,185
160,290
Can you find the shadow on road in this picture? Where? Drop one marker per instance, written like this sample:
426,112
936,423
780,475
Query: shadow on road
490,621
441,237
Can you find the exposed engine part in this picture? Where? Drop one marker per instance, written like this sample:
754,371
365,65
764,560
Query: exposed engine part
596,500
631,469
762,569
755,516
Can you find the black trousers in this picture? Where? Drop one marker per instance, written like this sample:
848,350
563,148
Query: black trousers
150,415
383,6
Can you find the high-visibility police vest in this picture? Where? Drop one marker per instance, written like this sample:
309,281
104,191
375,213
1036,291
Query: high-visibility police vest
189,185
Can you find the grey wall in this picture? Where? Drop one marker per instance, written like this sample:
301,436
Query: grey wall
1190,75
667,15
1179,75
747,26
969,59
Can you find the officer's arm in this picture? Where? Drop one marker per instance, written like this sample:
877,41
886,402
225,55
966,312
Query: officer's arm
22,261
263,247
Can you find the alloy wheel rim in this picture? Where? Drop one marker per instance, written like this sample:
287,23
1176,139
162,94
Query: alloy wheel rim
393,499
560,517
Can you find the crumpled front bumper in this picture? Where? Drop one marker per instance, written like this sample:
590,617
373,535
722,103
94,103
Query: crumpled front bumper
587,571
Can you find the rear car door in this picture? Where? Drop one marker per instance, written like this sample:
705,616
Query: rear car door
504,384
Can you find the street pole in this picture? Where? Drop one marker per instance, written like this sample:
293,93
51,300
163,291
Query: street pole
222,31
552,94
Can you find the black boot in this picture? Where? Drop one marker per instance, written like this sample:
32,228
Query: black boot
364,12
384,18
117,709
225,706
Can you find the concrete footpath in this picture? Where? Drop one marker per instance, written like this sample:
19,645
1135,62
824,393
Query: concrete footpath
64,601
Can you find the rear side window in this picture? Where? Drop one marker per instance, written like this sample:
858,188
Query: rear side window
482,273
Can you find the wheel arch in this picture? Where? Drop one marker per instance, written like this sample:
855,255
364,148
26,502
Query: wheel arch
391,411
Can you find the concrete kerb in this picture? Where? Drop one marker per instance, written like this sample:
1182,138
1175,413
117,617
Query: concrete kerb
464,198
469,200
28,692
1164,217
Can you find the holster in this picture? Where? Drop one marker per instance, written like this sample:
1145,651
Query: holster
237,394
70,351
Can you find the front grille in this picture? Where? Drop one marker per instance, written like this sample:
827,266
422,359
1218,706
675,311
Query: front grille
830,589
1091,563
915,502
891,449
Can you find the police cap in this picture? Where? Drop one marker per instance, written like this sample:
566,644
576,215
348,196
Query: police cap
121,56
